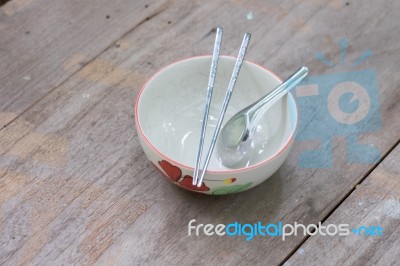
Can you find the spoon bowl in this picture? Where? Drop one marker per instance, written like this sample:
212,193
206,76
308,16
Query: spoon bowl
236,140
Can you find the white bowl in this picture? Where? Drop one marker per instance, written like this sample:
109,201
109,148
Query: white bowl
168,114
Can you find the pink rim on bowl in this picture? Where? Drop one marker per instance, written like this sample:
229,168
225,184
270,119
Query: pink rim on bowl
243,169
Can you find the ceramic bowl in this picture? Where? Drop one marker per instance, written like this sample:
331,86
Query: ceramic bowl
168,114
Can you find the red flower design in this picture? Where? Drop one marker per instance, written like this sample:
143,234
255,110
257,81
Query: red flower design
174,173
187,183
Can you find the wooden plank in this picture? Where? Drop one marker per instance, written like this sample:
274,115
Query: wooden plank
375,202
43,42
293,194
2,2
88,193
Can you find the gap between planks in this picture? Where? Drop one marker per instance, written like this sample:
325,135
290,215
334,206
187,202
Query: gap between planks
365,176
2,2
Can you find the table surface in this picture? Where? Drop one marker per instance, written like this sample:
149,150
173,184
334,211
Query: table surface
76,187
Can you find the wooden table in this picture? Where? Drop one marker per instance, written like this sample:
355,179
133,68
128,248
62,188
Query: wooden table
76,188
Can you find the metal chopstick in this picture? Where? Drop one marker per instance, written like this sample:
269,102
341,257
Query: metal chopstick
231,86
210,88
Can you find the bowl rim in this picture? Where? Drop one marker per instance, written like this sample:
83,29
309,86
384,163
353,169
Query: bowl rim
242,169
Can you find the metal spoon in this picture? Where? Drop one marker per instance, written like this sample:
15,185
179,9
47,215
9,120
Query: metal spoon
233,144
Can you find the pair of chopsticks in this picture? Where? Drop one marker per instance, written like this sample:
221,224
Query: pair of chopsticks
213,70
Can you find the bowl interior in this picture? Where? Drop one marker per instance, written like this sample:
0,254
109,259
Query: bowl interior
171,107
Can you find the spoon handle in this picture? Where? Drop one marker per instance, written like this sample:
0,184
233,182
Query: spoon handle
267,101
232,83
210,88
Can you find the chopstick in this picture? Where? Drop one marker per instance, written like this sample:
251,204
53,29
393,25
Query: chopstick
231,86
210,88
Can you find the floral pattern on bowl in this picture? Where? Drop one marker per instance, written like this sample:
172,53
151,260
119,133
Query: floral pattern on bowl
223,190
174,174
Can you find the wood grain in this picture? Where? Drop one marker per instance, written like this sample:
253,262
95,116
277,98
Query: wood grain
39,37
98,199
376,201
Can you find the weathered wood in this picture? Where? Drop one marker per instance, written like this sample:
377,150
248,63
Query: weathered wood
78,189
43,42
376,201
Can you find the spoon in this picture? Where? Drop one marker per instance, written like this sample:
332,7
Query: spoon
233,144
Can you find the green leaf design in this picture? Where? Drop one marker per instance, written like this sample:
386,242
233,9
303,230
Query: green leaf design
231,189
